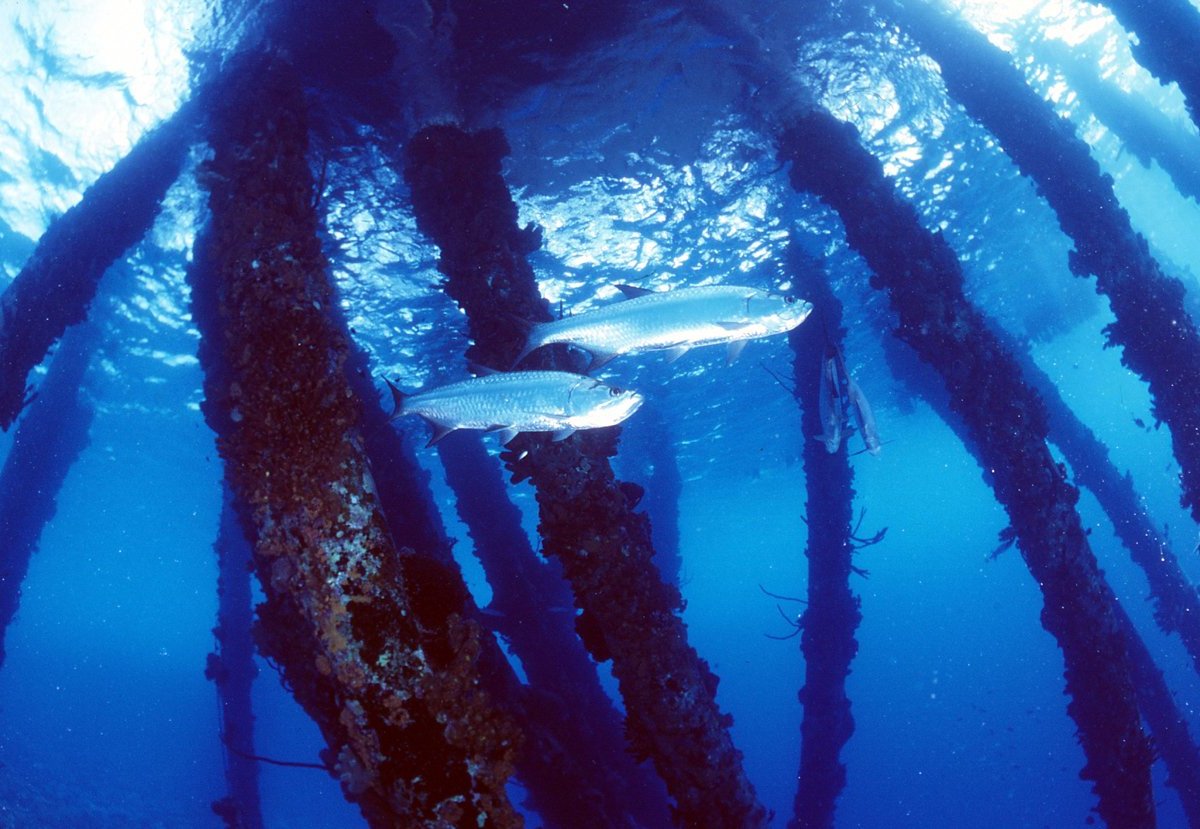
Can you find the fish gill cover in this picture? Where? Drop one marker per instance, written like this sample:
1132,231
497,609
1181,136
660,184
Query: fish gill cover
726,614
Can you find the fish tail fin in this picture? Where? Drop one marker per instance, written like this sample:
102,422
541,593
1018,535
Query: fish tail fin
397,400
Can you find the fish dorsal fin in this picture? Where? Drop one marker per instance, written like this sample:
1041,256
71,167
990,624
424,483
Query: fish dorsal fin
734,351
599,360
633,291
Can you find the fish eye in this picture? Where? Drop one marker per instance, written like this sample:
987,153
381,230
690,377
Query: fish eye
613,391
789,299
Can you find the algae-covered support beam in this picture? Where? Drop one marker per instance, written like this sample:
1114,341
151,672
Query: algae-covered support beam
381,658
1159,340
49,439
832,614
1173,741
56,286
1176,601
231,668
531,608
1144,130
1089,460
401,485
1007,422
586,519
1166,41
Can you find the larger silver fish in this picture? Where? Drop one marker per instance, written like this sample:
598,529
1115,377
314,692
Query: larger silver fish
519,401
673,321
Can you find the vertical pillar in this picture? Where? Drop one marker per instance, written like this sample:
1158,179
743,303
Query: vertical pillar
48,441
832,614
231,668
371,639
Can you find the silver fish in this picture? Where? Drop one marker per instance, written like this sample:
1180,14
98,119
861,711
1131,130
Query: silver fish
673,321
519,401
864,418
833,416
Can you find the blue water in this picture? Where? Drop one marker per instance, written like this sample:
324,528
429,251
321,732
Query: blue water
643,161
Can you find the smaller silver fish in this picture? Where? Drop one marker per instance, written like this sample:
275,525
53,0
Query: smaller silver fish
673,321
864,418
519,401
833,416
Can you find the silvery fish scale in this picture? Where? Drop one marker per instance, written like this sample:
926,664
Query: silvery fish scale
681,318
524,401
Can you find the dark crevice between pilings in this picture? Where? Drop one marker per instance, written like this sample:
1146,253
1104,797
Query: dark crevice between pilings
1159,339
832,614
1089,462
49,439
1167,42
368,639
586,520
232,670
532,609
57,285
1007,422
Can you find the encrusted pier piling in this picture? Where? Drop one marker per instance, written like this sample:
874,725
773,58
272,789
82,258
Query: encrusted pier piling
1158,338
1007,423
832,614
55,288
48,441
379,656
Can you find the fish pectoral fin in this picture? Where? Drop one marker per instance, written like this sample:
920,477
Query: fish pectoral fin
506,433
734,351
562,434
732,325
599,360
440,430
633,291
675,352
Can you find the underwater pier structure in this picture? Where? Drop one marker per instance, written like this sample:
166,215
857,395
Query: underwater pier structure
1143,130
1166,42
572,761
386,667
430,706
1007,425
628,614
1159,339
232,670
832,613
1091,468
49,438
654,465
588,778
58,282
